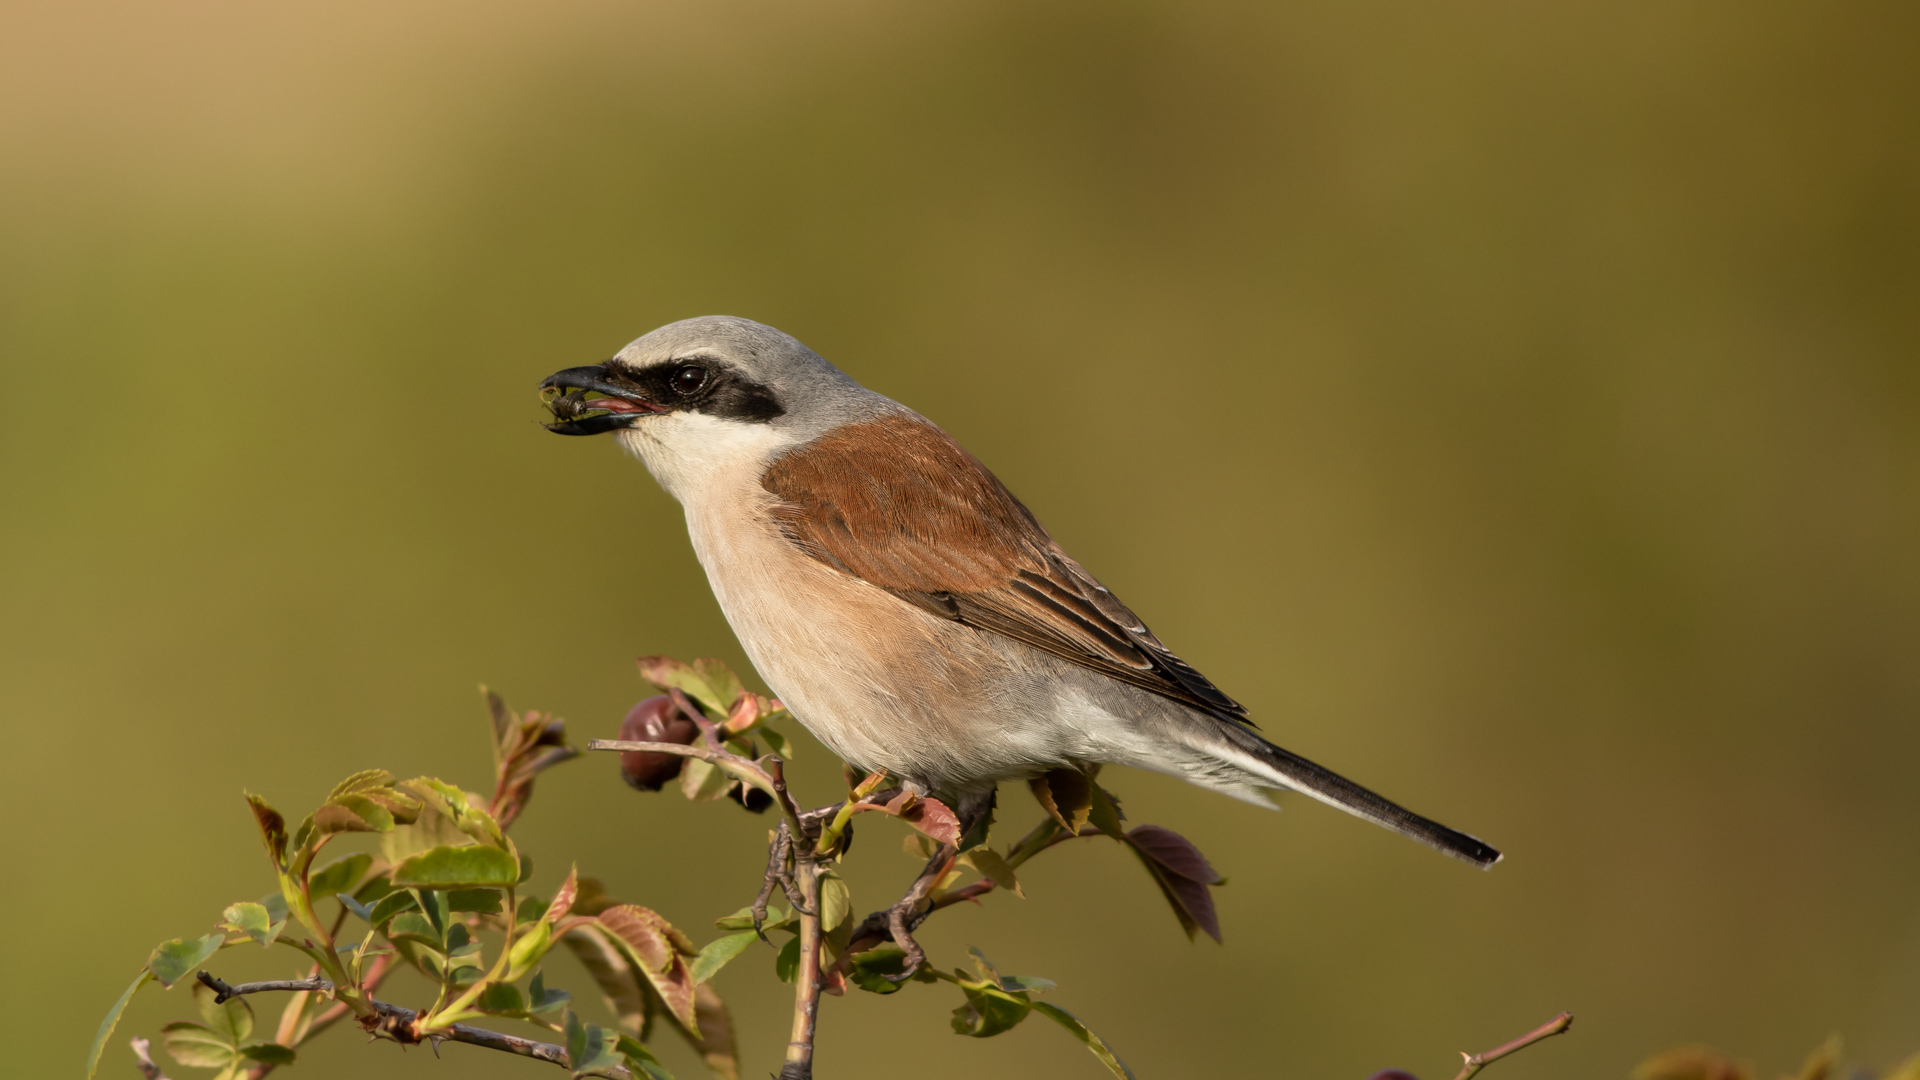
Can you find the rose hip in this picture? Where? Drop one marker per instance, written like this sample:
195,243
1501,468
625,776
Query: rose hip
656,719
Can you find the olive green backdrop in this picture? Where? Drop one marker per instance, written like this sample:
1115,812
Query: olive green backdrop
1515,405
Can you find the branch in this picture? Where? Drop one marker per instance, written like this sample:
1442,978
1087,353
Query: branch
397,1022
148,1069
1473,1063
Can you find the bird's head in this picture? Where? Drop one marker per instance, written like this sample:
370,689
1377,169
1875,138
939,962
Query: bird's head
699,394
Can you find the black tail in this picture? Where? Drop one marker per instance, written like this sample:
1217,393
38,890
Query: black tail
1283,768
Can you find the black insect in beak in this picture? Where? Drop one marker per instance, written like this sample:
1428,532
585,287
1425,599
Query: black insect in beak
615,405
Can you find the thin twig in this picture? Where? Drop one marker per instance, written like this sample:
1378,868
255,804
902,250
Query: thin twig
146,1066
1473,1063
222,991
398,1021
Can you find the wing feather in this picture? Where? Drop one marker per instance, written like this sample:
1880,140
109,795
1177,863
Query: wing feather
897,503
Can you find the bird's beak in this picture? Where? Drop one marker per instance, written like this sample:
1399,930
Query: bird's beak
617,405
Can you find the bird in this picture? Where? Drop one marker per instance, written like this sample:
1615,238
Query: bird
904,605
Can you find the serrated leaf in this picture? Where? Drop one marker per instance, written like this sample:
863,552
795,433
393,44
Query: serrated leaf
269,1053
1087,1038
718,952
778,744
502,998
721,681
1106,815
836,901
1066,795
591,1049
669,674
988,1011
702,781
252,920
478,901
197,1046
173,960
273,829
112,1020
869,969
994,867
658,952
231,1019
458,868
713,1039
339,876
1172,861
928,815
361,781
640,1060
390,905
540,999
563,900
619,983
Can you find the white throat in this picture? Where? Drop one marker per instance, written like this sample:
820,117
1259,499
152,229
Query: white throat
693,454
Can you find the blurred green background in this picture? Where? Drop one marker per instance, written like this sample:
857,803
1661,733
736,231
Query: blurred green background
1516,406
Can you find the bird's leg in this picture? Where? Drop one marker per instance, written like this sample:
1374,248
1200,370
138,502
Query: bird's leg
906,913
779,854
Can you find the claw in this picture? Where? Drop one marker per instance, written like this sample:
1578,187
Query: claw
906,914
776,869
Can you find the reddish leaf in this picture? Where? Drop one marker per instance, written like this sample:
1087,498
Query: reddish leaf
273,828
563,900
650,943
930,816
1175,853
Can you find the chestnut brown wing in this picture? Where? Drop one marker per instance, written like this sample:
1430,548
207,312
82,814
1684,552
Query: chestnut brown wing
898,504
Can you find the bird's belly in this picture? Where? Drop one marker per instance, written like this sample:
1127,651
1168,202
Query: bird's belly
880,682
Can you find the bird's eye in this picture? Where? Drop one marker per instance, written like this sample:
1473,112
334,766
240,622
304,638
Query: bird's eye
689,378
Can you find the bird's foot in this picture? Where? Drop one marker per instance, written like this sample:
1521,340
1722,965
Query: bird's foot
908,912
779,872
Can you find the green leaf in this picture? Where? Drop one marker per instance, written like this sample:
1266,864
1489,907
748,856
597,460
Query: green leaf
390,905
640,1060
1105,813
540,999
836,901
591,1049
363,911
361,781
112,1020
197,1046
777,919
1080,1031
995,868
702,781
787,964
411,925
869,970
270,1053
276,906
231,1019
718,951
989,1011
776,742
459,868
339,876
458,937
720,679
504,998
252,920
484,901
669,674
174,960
